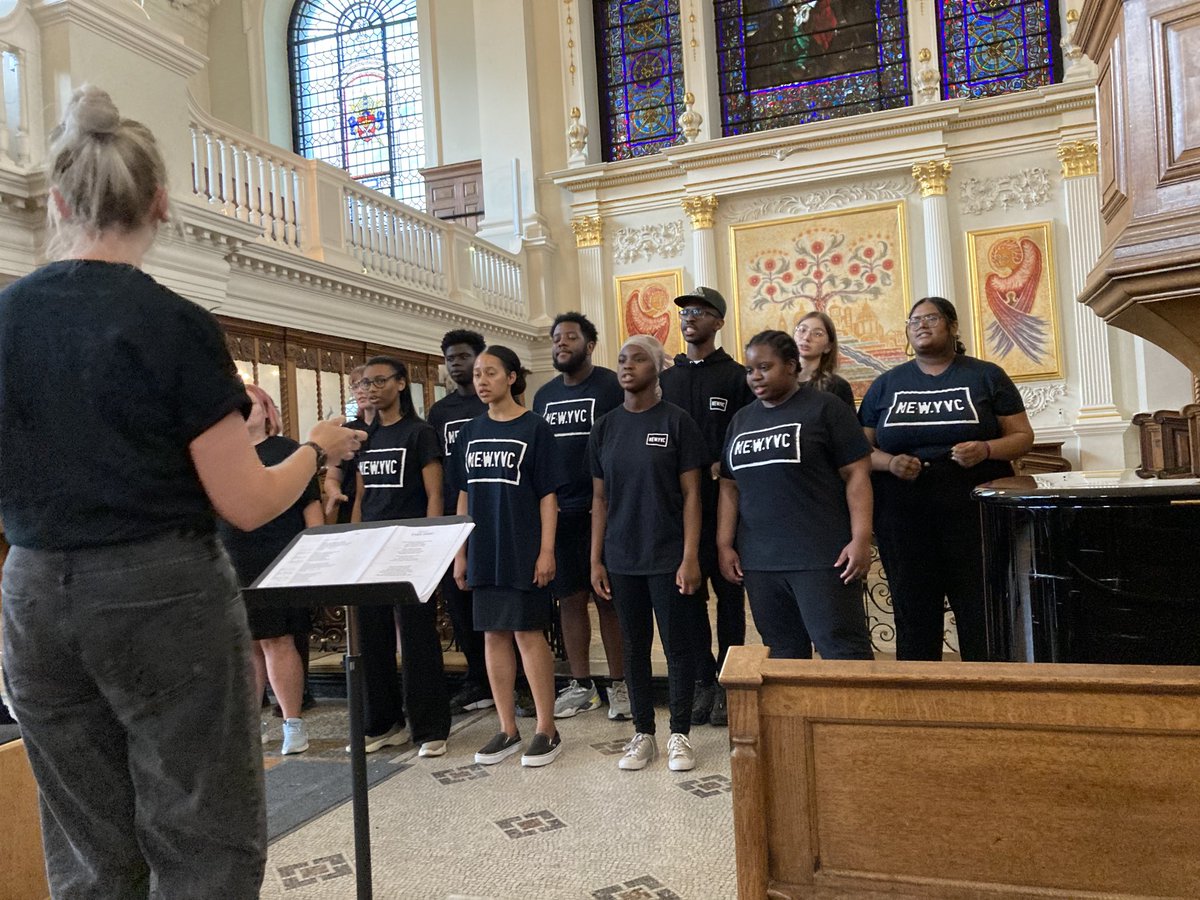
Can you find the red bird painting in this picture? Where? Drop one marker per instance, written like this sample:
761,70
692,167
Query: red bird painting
648,311
1010,298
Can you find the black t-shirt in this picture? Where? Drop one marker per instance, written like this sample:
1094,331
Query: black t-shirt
506,469
446,417
792,499
640,457
252,551
926,415
347,470
390,462
710,390
106,377
839,387
572,411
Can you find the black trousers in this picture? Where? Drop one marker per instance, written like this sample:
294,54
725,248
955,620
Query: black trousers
462,616
795,610
731,598
640,599
424,695
931,544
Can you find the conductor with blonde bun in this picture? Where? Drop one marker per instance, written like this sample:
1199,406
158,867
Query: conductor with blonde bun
126,650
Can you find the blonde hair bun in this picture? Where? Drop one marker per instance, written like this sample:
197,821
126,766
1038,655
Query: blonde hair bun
91,111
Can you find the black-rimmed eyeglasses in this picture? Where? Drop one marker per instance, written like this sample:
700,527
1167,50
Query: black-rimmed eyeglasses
377,381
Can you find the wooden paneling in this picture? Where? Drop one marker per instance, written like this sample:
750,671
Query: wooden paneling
963,780
22,869
1176,43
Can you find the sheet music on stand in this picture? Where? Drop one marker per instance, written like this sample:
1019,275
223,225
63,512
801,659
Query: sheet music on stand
368,563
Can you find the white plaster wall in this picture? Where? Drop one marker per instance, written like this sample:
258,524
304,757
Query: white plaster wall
228,70
451,29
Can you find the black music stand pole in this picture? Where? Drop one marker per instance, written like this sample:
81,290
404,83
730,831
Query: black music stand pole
358,758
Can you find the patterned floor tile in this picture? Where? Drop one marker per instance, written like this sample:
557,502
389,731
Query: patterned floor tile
647,887
532,823
323,868
611,748
707,786
461,774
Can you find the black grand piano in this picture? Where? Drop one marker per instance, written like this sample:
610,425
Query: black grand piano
1099,567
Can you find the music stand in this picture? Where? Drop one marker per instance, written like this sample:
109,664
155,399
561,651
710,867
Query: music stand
351,596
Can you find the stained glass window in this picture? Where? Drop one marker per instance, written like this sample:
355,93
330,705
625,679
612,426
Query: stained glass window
639,60
993,47
356,87
786,62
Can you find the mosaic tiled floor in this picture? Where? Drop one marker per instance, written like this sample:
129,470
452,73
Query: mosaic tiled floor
447,829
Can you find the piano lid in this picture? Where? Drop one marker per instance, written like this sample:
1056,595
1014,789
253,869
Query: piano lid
1091,488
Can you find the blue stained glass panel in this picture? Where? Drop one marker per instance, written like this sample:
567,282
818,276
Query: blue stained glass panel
787,62
356,91
639,60
991,47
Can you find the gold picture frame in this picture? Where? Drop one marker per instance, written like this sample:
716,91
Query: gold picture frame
645,306
1014,303
850,263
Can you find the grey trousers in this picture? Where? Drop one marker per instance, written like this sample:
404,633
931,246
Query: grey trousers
129,672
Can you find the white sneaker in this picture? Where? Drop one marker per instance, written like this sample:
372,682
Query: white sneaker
575,698
432,748
393,737
295,736
638,752
680,755
618,701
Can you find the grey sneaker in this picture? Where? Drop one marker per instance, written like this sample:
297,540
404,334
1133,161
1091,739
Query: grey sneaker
498,749
618,701
295,736
393,737
702,703
638,752
575,698
542,750
720,709
680,755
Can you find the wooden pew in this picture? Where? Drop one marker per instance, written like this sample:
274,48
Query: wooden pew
906,780
22,870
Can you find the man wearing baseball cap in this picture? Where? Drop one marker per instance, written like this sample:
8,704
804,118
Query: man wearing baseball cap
711,386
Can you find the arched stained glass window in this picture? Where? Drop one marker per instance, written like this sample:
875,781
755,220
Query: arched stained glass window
639,60
993,47
786,62
356,88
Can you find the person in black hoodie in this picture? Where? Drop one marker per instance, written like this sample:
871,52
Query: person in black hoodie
710,386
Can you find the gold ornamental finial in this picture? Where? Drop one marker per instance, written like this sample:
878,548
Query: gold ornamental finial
589,231
932,176
1079,158
701,210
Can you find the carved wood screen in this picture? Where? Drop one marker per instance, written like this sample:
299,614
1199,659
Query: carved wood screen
307,375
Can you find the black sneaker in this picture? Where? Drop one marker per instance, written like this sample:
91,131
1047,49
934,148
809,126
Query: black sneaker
720,708
498,749
525,707
702,703
542,750
472,696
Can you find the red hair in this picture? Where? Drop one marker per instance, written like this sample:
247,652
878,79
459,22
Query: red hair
274,422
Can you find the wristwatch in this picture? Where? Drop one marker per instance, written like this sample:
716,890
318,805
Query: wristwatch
320,451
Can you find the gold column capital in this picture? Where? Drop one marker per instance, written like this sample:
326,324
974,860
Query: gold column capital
589,231
1079,158
932,176
701,210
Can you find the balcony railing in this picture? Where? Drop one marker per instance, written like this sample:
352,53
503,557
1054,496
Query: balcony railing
315,210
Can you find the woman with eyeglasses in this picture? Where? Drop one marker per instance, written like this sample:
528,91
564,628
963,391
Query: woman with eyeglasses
399,476
816,338
509,472
802,451
646,460
940,424
273,628
126,651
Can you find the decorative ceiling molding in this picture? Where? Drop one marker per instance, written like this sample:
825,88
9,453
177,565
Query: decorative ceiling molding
835,197
648,242
1039,397
1027,188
